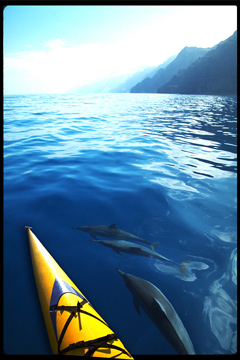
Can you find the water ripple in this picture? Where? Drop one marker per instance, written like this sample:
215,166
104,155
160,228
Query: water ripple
221,310
162,167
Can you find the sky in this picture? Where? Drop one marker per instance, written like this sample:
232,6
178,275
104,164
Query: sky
52,49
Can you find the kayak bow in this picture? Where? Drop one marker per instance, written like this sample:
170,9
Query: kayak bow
74,327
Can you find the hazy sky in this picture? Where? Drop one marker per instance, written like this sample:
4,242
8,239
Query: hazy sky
50,49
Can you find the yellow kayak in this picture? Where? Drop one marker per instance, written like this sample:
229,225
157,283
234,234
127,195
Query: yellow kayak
74,327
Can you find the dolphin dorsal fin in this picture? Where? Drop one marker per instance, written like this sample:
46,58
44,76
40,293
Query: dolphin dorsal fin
154,246
113,226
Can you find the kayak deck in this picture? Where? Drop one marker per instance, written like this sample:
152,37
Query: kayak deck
74,327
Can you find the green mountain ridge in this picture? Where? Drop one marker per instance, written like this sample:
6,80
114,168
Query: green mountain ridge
140,76
207,71
183,60
215,73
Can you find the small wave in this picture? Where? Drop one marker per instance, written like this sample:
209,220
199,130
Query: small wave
221,309
174,270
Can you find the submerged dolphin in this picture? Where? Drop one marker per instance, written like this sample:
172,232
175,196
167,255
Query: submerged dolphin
113,232
160,311
128,247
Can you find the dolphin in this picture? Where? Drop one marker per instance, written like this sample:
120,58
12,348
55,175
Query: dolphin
113,232
128,247
160,311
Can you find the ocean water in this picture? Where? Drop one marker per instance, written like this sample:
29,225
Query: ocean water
163,167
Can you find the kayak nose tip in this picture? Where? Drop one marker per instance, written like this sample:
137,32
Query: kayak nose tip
28,227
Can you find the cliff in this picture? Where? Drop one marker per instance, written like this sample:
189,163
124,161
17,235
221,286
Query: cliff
215,73
184,59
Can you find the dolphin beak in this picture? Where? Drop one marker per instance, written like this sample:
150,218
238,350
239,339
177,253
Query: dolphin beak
120,272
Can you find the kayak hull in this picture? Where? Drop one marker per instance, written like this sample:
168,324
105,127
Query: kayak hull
72,323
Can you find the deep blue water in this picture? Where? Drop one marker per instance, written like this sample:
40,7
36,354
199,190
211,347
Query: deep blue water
162,167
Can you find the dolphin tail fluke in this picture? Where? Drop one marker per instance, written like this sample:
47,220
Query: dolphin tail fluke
154,246
183,267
